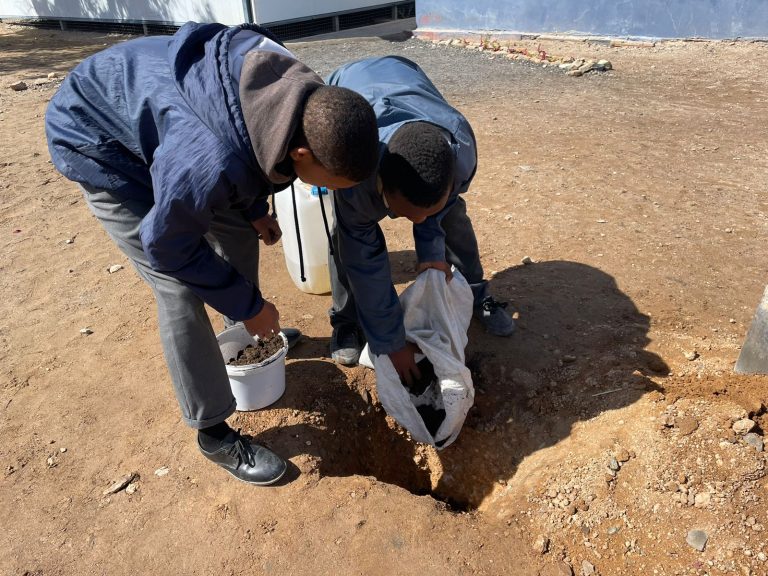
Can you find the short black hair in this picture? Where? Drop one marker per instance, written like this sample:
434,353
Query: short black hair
418,163
339,127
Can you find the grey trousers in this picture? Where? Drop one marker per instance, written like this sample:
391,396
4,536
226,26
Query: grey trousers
460,250
189,343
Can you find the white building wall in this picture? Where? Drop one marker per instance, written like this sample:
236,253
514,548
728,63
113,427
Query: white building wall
167,11
179,11
633,18
268,11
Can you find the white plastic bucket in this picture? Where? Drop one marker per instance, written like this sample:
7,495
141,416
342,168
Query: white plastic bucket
310,204
254,386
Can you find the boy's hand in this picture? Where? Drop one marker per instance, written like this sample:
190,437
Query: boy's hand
442,266
268,229
405,364
265,324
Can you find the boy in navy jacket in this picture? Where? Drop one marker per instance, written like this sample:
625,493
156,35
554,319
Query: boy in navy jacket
177,143
427,159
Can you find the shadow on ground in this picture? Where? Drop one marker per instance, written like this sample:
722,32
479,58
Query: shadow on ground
579,350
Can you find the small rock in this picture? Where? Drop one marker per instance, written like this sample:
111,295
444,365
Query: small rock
762,557
575,73
527,260
697,539
587,568
569,359
162,471
686,425
51,461
612,530
307,317
702,499
743,426
52,75
114,268
559,569
603,65
18,86
754,440
587,66
62,450
667,420
131,488
40,81
86,331
541,545
622,455
691,356
657,364
570,510
613,464
69,240
121,483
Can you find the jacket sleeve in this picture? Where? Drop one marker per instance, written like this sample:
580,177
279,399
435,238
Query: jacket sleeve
429,237
172,233
363,253
257,210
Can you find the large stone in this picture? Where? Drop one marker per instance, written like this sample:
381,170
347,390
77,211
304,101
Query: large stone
697,539
686,425
754,440
743,426
18,86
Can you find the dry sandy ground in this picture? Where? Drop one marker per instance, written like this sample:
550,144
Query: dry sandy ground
595,444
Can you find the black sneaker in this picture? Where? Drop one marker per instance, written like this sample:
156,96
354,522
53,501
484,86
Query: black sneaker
346,345
293,335
246,460
495,318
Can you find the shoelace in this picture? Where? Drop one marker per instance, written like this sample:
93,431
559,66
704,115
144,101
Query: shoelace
490,305
242,451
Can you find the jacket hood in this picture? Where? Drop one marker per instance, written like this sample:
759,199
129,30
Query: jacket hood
273,91
258,122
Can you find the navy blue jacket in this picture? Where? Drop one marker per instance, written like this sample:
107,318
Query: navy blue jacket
399,92
159,120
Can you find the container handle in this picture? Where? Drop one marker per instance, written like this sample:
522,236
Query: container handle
298,233
325,221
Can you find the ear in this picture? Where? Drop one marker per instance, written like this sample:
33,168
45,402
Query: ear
301,155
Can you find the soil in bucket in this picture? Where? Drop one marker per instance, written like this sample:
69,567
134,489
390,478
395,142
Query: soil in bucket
258,352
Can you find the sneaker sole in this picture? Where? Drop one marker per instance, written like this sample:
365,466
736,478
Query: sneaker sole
345,361
267,483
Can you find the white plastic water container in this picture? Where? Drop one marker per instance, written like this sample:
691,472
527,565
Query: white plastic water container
310,203
254,386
